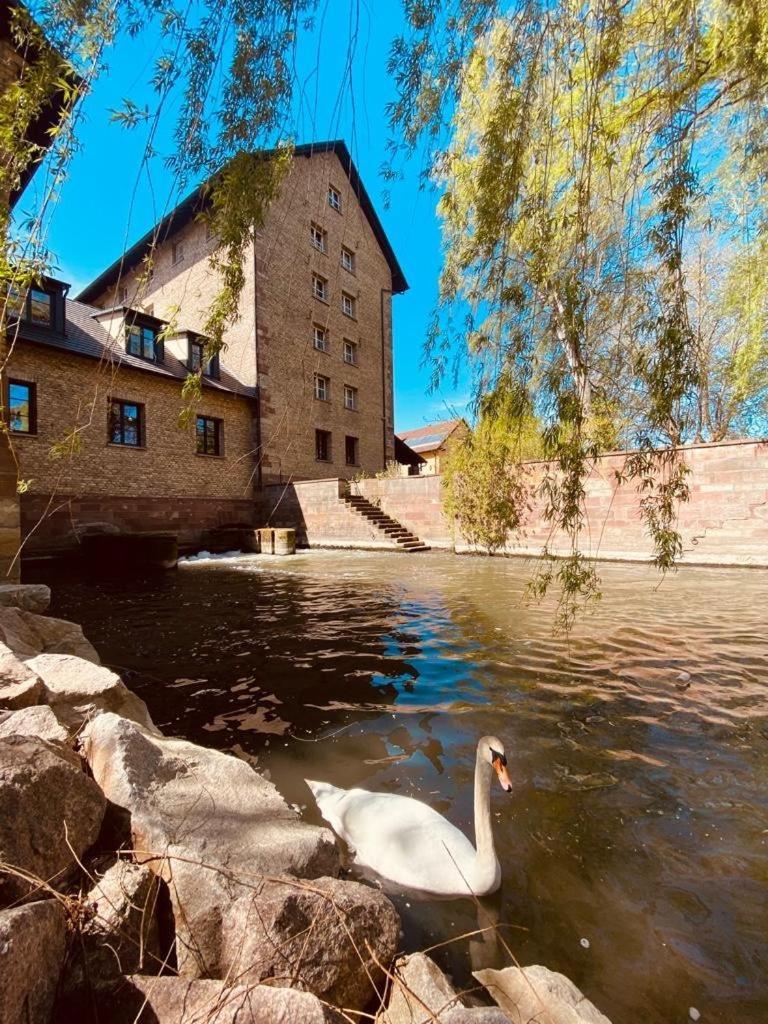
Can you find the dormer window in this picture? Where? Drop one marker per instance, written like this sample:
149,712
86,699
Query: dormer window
142,341
196,359
36,307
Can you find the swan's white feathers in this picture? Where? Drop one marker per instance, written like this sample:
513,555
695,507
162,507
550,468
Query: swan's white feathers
401,839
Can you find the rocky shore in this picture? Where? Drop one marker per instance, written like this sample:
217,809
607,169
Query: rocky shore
145,878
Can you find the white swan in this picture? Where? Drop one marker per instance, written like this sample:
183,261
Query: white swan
408,843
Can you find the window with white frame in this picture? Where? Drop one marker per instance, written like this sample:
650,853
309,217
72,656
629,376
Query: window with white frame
350,352
350,397
318,237
334,198
322,388
348,305
320,335
320,287
347,259
177,252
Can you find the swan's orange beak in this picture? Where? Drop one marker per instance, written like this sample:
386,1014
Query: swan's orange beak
500,767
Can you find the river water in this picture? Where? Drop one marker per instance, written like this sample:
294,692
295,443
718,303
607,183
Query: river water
634,847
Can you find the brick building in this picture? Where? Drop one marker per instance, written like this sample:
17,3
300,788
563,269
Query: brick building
302,390
22,52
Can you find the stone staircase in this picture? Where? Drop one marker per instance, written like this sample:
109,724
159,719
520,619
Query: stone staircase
389,527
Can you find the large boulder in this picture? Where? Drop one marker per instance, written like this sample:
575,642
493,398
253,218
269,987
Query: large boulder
206,822
19,686
32,947
420,992
325,936
37,721
140,1000
536,993
75,689
47,805
27,634
32,597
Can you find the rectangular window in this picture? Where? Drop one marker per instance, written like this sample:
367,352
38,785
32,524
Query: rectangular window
196,359
39,307
350,450
16,307
348,305
210,233
320,335
177,252
22,407
350,397
334,198
142,342
319,287
122,295
125,423
323,445
322,388
348,259
350,352
208,435
319,237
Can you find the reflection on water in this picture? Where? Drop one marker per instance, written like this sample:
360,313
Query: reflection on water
638,747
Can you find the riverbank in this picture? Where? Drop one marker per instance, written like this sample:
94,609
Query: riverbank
147,877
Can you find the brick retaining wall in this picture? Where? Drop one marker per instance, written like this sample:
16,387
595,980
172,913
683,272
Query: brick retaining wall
725,521
53,525
321,519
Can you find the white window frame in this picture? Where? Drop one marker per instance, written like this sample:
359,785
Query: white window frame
320,287
349,305
352,346
177,252
350,397
319,237
349,263
320,338
334,198
322,388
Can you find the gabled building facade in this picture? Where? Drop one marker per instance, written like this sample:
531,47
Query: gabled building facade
302,390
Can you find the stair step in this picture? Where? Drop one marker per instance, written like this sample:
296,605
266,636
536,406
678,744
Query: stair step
385,524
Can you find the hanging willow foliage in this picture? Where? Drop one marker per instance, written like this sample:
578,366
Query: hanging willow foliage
583,150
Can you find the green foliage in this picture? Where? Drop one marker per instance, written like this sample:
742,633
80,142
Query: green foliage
580,149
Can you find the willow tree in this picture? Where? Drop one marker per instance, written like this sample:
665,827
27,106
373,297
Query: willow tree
574,145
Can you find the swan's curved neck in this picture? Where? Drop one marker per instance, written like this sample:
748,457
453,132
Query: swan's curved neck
486,854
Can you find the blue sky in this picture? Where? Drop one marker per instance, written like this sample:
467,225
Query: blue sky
109,200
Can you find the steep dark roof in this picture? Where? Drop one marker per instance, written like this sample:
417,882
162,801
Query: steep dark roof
52,112
195,202
430,437
84,336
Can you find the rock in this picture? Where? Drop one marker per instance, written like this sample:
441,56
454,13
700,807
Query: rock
37,721
122,935
420,992
27,634
75,689
32,597
19,686
42,789
483,1015
314,935
206,822
537,993
32,945
140,1000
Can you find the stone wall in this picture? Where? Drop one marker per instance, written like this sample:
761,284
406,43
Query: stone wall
315,510
53,524
725,522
